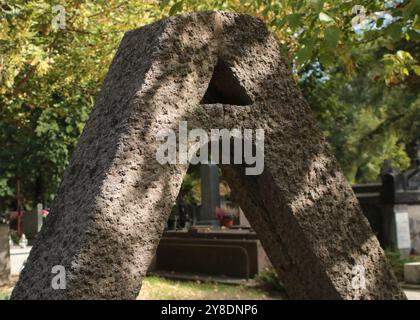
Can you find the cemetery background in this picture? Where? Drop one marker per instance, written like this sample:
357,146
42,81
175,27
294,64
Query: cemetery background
45,99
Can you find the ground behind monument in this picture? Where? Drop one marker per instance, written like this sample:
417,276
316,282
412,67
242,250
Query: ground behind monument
157,288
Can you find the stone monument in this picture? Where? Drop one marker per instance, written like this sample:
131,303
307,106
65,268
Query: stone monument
214,70
210,198
32,223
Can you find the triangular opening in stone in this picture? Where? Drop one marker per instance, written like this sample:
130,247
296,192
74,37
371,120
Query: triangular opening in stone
225,88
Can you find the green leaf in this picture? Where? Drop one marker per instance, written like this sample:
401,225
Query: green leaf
332,36
279,23
294,20
266,11
317,5
380,22
303,54
163,4
275,8
394,31
416,69
177,7
404,55
326,58
69,129
413,35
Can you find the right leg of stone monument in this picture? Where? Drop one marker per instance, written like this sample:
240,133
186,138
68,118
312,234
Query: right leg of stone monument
302,207
312,228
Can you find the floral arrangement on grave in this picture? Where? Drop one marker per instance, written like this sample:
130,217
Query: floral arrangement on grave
225,216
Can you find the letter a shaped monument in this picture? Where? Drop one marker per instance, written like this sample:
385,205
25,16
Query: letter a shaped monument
213,70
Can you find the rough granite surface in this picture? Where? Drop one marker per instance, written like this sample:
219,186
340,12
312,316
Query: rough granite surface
115,197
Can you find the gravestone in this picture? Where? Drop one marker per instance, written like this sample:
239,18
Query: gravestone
4,253
401,197
210,198
214,70
402,228
412,273
32,223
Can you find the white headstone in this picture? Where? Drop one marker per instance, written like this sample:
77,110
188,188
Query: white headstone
39,208
412,273
402,224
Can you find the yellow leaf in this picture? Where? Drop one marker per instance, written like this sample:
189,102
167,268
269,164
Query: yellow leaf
416,70
42,67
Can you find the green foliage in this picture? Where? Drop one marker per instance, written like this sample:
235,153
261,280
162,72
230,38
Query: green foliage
365,121
50,76
190,188
397,262
48,80
269,280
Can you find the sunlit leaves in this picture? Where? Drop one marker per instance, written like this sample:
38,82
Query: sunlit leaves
49,78
329,26
398,66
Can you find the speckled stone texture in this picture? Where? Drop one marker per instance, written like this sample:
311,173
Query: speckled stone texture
115,197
